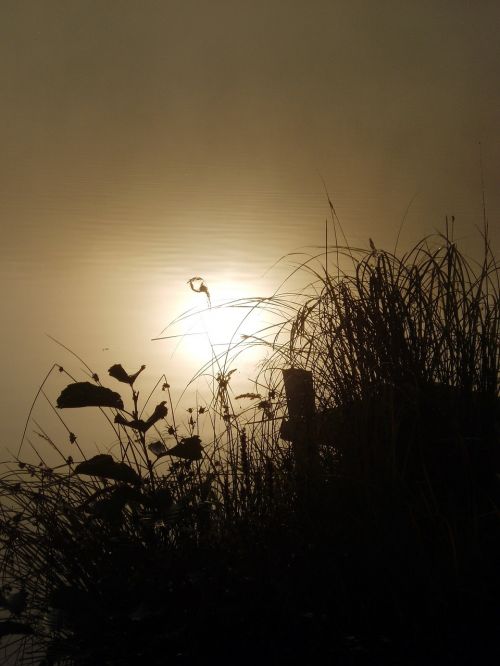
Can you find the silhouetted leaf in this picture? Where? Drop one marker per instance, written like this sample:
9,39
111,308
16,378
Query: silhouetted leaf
137,424
160,412
197,284
9,627
105,467
110,508
189,448
158,448
117,371
108,502
85,394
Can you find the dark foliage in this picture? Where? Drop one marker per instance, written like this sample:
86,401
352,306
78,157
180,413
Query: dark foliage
85,394
384,551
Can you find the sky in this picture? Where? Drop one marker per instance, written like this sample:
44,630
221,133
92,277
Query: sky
147,141
365,87
375,93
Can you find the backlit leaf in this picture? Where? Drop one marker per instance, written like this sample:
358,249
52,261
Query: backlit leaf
189,448
160,412
158,448
105,467
85,394
137,424
117,371
197,284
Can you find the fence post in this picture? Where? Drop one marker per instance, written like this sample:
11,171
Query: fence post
299,393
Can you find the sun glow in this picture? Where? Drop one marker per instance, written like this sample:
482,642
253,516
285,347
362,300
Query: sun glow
218,316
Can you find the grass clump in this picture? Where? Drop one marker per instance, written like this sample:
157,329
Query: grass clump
195,543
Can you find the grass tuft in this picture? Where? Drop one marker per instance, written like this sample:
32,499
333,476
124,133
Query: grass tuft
207,537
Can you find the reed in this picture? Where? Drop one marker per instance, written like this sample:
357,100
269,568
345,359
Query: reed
196,541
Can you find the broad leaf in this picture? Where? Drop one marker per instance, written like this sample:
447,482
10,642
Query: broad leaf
85,394
125,493
108,503
105,467
189,448
117,371
136,424
160,412
110,507
158,448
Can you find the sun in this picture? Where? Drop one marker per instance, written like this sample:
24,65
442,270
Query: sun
218,316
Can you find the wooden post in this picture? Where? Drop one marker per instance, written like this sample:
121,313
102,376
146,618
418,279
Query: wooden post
300,428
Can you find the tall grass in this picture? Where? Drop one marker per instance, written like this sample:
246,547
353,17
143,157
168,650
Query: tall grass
408,343
196,541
